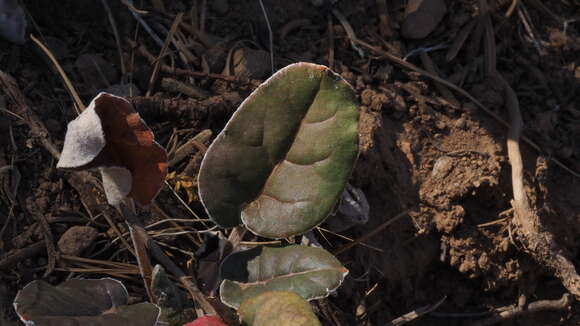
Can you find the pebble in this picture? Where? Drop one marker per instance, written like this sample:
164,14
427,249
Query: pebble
250,63
442,167
76,239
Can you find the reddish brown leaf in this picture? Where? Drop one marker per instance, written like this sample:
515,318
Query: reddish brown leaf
110,133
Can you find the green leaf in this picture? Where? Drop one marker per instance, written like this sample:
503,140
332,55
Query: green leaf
310,272
283,159
277,308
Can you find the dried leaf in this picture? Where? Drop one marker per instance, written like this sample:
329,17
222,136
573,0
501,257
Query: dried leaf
111,135
281,162
184,182
81,302
278,308
312,273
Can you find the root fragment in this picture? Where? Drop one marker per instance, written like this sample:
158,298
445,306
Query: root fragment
539,243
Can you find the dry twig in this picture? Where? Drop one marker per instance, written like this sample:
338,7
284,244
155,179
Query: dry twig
69,86
116,34
408,317
159,59
504,314
373,233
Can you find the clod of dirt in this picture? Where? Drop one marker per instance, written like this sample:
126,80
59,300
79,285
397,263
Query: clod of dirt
77,239
421,17
374,100
250,63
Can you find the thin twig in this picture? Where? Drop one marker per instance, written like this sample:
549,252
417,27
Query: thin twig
182,220
140,247
349,31
432,68
160,255
540,243
517,311
137,14
347,238
371,234
408,317
195,142
162,52
118,233
270,34
69,86
184,72
116,34
511,9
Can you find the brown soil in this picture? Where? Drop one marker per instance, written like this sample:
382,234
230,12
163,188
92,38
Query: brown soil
420,150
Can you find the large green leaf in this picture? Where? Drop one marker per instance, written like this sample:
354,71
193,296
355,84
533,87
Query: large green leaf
310,272
277,308
284,157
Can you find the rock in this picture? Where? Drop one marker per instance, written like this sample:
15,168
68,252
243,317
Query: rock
250,63
76,239
442,167
421,17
